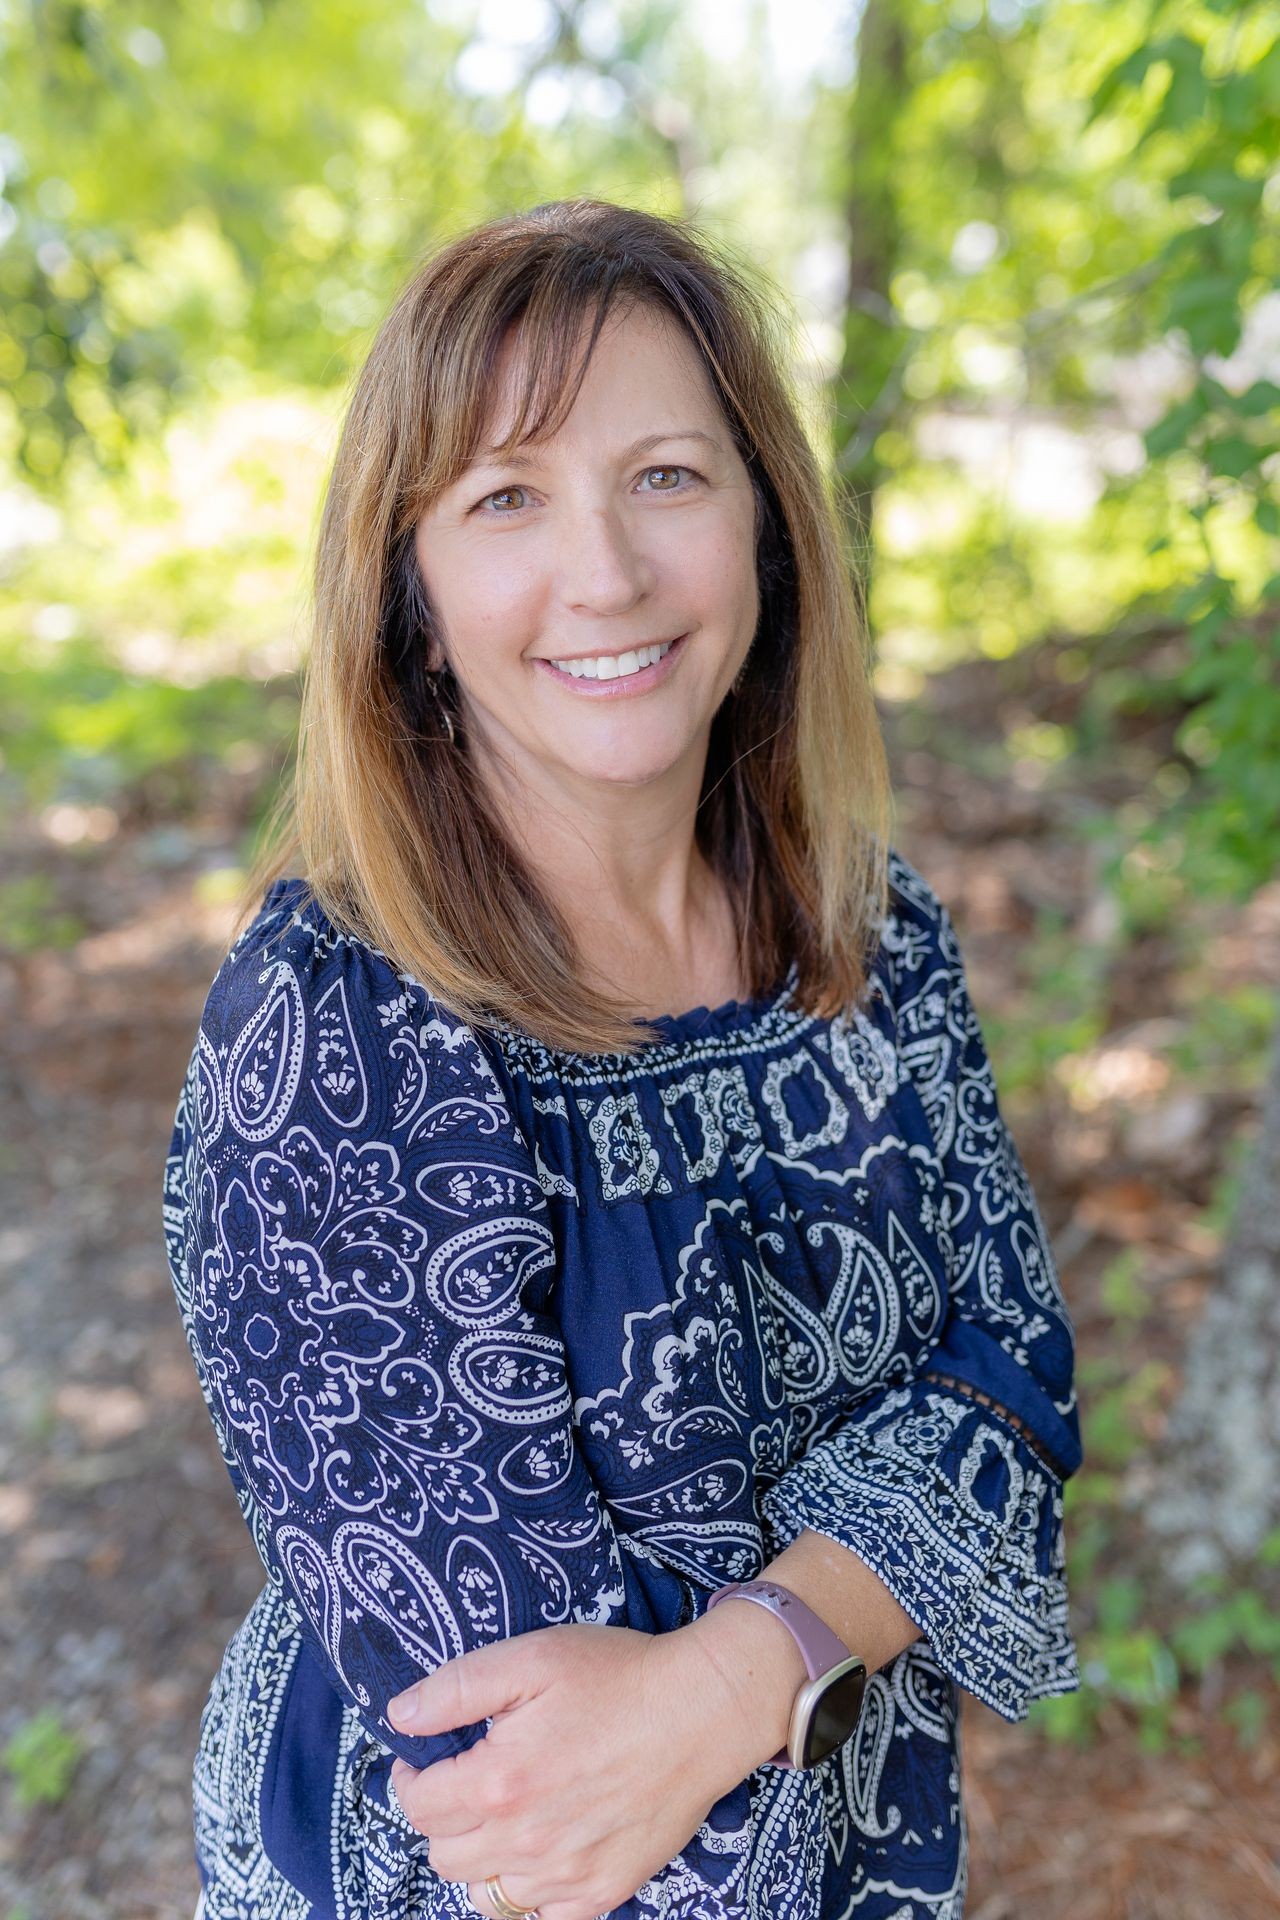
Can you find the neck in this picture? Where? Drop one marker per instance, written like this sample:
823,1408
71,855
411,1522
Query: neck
620,863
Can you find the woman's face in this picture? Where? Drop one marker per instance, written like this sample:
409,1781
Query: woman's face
632,528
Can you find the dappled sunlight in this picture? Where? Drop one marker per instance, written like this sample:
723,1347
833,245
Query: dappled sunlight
100,1414
68,824
1126,1071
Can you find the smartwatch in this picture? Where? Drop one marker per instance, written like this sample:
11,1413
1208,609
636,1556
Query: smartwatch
825,1711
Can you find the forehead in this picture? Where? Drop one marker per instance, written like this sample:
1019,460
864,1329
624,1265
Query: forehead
640,354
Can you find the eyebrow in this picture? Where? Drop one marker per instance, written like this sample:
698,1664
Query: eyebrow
628,453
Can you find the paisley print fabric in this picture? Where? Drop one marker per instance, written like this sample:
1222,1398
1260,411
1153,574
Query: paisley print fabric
494,1337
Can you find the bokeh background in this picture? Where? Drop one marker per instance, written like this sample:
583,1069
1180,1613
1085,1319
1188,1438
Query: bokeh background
1031,248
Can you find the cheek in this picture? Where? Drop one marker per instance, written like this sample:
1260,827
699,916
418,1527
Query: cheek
734,582
470,582
726,562
487,613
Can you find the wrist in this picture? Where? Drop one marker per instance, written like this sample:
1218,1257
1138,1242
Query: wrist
750,1669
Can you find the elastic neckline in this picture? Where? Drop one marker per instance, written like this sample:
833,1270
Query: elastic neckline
729,1017
671,1029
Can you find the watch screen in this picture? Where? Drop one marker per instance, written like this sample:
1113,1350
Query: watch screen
836,1714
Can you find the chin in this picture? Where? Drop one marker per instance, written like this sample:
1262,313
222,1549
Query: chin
622,754
621,778
620,769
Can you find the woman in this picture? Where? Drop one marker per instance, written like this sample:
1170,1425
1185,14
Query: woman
530,1314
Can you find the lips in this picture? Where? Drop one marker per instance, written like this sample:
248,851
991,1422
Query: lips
633,683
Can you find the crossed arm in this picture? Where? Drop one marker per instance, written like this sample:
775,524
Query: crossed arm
745,1666
758,1662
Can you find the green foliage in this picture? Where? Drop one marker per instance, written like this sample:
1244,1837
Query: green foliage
1248,1712
42,1757
1228,1037
76,726
31,920
1241,1618
1118,1290
1119,1399
1128,1657
179,212
1067,980
1114,173
1216,438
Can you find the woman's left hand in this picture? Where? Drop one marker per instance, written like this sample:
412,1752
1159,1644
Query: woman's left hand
607,1749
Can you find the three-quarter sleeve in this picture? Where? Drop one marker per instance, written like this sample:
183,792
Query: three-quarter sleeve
363,1262
954,1502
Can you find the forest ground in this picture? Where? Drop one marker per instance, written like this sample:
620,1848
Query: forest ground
125,1565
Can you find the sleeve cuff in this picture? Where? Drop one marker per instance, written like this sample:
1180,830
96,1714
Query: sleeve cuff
953,1510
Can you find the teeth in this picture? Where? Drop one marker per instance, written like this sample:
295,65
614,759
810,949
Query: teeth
614,667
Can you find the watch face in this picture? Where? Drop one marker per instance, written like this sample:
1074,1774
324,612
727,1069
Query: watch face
835,1714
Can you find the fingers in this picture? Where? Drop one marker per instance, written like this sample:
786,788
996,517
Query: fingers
443,1800
472,1687
514,1887
435,1704
458,1796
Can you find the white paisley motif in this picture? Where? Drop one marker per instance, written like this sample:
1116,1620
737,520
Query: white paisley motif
266,1060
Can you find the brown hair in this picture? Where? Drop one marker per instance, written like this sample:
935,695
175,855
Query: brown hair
385,818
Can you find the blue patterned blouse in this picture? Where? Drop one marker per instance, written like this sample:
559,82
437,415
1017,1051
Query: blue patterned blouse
494,1337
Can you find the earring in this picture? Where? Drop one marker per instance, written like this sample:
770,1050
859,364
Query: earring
445,715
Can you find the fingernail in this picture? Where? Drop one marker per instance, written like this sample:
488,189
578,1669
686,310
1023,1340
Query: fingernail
404,1706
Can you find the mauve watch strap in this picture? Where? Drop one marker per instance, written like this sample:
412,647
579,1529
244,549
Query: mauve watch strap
820,1648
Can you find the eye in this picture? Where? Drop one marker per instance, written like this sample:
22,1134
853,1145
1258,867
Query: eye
500,493
667,470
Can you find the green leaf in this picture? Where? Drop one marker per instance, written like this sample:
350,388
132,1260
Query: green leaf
1119,1605
1183,54
1205,1637
1206,629
1242,107
42,1756
1188,92
1174,429
1214,330
1267,76
1130,72
1233,456
1218,184
1247,1713
1261,397
1204,293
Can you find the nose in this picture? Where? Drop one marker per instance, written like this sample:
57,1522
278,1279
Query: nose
602,570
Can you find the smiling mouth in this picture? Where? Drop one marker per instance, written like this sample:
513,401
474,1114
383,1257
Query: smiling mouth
601,674
614,666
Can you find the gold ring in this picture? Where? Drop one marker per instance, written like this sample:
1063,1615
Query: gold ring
505,1908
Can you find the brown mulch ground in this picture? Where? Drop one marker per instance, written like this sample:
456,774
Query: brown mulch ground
125,1566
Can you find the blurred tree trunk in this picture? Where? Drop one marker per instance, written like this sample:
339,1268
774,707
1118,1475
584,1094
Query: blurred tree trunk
1216,1491
867,385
